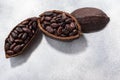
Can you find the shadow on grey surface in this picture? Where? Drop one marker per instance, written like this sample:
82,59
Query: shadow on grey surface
20,59
69,47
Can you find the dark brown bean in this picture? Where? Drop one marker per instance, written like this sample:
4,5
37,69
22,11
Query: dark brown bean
11,38
58,20
19,29
16,31
22,45
62,24
30,27
30,34
52,21
26,30
21,25
59,31
10,52
24,36
49,29
55,32
14,35
34,19
47,18
33,31
72,25
26,40
54,25
8,40
25,22
30,23
67,26
17,48
68,20
54,29
27,26
18,41
7,46
54,18
73,33
13,45
59,16
46,23
54,14
34,25
65,31
48,13
20,35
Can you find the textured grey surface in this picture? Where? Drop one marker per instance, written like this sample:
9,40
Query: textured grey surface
94,56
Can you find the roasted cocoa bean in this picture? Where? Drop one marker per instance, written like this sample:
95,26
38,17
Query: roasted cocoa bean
48,13
11,38
12,46
34,25
24,36
49,29
14,35
25,22
7,46
9,52
20,35
18,41
19,29
26,30
54,25
48,18
17,48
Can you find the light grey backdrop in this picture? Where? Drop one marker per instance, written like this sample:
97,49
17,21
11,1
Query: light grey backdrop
94,56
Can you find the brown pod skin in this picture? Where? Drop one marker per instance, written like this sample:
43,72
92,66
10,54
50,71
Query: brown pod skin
91,19
19,38
59,25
